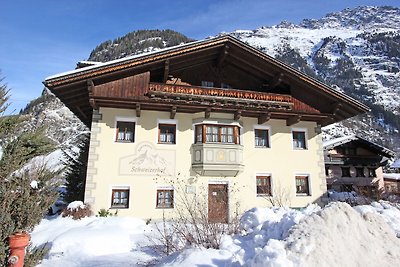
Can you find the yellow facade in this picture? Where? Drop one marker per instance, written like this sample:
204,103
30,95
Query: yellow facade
108,165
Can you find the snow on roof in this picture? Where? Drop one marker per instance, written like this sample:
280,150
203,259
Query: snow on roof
393,176
395,164
120,60
346,139
339,141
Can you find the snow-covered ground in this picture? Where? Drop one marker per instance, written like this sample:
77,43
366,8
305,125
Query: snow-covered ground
336,235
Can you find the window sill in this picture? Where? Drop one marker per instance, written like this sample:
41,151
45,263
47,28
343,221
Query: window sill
166,143
302,195
264,195
262,147
124,142
163,208
299,148
118,208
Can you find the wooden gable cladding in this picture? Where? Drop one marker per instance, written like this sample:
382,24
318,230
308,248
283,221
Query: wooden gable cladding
257,84
128,87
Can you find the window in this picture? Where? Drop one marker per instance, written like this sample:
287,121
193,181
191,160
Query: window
326,171
261,137
302,185
263,185
225,85
299,140
120,198
371,172
125,131
345,171
167,133
207,84
165,198
217,134
360,172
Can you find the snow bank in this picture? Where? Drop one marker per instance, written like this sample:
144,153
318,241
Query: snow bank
337,235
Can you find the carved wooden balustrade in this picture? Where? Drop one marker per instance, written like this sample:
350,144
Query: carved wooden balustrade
219,92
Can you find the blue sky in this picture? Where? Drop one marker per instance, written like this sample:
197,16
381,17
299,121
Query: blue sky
44,37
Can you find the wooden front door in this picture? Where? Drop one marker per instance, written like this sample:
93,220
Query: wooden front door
218,203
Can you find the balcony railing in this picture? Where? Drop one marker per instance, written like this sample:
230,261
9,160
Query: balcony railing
219,92
217,159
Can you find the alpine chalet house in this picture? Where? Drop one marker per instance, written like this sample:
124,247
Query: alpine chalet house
353,163
216,120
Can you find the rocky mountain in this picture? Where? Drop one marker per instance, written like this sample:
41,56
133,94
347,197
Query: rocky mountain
356,51
137,42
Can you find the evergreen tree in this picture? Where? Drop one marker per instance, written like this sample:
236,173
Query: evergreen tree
75,173
26,193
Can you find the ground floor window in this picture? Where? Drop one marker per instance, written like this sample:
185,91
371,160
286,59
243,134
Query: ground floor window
165,198
120,198
302,185
263,185
360,172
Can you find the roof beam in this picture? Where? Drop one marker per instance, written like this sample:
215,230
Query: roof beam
173,113
263,118
138,110
293,120
237,115
276,80
207,113
166,71
222,56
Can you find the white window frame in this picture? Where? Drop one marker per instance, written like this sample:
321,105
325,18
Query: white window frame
167,121
262,127
305,138
124,119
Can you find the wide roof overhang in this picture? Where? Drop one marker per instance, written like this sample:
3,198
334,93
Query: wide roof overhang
73,87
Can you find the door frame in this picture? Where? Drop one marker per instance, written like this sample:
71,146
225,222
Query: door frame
216,182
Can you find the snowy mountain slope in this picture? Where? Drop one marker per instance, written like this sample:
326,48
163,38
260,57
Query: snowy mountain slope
355,51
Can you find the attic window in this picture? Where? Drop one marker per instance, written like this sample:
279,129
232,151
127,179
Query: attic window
207,84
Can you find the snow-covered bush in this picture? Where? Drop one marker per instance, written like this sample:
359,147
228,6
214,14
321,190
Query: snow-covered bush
77,210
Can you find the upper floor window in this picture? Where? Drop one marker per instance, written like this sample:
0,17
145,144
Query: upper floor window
360,172
225,134
225,85
120,198
261,137
263,185
125,131
371,172
345,171
207,84
302,185
299,139
167,133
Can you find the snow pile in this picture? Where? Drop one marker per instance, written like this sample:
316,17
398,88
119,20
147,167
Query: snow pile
75,205
337,235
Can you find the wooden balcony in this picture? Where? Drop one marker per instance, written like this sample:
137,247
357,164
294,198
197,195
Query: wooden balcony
352,159
215,159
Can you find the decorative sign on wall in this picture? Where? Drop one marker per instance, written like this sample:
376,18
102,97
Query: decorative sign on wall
148,161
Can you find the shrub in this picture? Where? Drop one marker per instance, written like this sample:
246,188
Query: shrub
106,213
77,210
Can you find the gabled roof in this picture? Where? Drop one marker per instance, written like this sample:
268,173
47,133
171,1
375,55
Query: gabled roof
350,138
72,87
